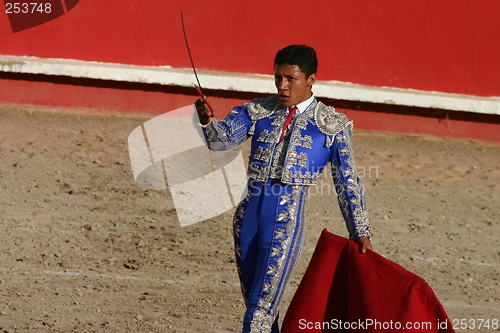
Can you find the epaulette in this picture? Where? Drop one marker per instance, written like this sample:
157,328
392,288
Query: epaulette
328,120
262,107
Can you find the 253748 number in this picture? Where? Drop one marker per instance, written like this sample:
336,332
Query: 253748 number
464,324
28,7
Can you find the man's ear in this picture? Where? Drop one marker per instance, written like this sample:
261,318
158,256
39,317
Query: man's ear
311,80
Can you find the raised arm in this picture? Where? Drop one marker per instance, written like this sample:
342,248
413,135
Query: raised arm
227,133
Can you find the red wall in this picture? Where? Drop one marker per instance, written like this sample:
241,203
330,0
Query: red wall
440,45
108,97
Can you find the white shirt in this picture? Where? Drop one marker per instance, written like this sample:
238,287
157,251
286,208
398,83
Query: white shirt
302,106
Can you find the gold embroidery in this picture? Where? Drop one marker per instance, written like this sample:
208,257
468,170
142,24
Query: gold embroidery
262,107
262,154
263,136
328,120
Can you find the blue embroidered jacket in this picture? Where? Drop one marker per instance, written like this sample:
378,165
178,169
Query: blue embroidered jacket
319,135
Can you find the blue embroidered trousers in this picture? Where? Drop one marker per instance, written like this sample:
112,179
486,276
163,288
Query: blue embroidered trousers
268,232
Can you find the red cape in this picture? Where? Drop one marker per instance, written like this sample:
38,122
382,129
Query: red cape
345,291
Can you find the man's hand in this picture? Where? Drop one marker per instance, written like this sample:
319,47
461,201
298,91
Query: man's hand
204,112
364,244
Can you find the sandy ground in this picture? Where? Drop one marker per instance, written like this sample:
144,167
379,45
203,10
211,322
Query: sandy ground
86,250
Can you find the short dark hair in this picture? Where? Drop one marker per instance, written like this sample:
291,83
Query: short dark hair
300,55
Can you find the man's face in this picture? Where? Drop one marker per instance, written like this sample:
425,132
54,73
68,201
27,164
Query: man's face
292,84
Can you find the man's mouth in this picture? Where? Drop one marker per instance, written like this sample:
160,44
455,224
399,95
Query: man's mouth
283,97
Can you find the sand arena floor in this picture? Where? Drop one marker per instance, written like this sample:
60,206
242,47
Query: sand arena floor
86,250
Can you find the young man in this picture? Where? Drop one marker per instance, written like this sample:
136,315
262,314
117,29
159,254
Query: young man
293,138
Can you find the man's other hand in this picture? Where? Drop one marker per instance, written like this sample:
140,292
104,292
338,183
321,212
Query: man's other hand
364,244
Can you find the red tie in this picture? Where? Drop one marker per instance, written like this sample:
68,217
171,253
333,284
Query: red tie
288,121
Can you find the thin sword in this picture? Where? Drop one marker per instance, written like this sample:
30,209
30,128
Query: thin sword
204,99
198,87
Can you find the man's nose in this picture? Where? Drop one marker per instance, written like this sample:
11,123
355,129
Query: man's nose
283,85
